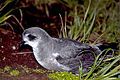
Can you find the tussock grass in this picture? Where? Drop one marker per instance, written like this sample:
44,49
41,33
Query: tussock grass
8,15
92,17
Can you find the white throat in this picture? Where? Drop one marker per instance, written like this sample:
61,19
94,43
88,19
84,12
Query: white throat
33,44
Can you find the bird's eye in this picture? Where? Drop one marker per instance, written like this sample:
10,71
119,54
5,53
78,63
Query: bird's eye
31,37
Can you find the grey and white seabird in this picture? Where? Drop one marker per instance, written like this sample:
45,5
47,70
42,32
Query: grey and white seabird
57,53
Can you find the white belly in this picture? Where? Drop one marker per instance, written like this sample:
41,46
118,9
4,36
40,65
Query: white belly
49,62
52,64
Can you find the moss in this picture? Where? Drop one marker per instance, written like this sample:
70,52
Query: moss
39,71
14,72
7,68
1,70
63,76
32,70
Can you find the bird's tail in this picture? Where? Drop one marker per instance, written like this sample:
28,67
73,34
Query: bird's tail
114,46
98,48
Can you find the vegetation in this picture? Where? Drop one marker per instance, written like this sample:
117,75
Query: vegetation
14,73
4,16
63,76
23,70
94,17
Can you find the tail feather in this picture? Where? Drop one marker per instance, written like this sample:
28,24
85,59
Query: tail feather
102,46
113,46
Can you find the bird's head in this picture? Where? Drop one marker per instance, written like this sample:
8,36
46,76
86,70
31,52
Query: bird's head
34,36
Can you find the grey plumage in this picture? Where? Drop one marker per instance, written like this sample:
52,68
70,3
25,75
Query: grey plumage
59,54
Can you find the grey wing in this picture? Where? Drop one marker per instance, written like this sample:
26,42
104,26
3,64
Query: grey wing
85,59
72,54
69,48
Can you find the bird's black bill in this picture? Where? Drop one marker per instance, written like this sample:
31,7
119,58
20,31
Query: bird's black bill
24,46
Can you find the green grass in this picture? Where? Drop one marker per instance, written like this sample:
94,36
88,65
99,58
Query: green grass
8,15
81,27
94,17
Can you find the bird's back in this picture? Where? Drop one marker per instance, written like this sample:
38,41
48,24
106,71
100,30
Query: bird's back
73,53
70,48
